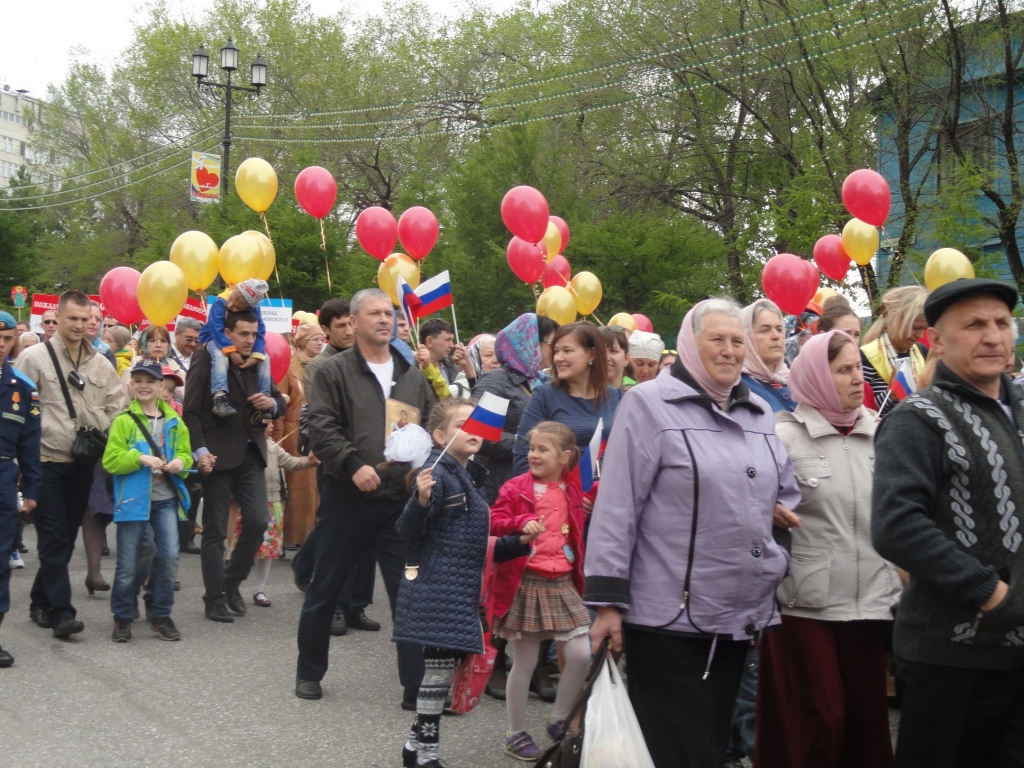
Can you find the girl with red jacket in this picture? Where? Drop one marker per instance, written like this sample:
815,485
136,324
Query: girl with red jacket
538,598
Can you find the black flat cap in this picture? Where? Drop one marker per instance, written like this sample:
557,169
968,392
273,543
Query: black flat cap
945,296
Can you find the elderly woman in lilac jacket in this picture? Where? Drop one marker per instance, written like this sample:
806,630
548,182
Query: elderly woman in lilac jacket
681,557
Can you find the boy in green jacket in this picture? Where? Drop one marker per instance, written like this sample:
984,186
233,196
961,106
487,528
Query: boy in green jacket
148,453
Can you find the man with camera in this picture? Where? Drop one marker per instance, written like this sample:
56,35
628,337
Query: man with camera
79,395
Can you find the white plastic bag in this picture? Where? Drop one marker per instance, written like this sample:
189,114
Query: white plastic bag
410,443
612,736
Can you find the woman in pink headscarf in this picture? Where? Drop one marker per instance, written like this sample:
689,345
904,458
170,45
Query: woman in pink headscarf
822,688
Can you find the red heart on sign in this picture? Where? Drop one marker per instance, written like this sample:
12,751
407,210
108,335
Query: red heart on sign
207,179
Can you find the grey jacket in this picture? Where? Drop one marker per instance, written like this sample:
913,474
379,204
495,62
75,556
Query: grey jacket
347,414
835,574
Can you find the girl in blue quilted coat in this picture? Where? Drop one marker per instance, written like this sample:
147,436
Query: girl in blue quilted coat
446,523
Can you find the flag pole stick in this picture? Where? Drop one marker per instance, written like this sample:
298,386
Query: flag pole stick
446,448
456,324
882,406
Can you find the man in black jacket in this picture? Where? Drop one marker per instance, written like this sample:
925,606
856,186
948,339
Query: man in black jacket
231,454
947,507
361,499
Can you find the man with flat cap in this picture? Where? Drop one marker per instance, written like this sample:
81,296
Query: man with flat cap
948,507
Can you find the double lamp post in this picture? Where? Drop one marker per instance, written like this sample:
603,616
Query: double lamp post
229,63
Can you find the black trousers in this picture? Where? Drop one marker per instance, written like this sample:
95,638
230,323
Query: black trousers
247,483
685,718
960,718
357,592
63,498
187,528
348,528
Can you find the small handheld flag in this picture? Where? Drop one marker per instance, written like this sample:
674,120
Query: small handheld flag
589,467
487,420
904,384
434,294
410,301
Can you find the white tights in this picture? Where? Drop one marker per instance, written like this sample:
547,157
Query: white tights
576,653
260,572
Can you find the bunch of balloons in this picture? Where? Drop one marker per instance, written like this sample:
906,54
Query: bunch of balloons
378,233
866,196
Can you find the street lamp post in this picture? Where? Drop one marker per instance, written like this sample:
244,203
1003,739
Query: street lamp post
229,63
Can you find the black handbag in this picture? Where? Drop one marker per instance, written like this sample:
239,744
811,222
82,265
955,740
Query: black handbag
567,752
90,443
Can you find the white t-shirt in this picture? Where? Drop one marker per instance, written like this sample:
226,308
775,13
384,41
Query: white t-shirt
383,372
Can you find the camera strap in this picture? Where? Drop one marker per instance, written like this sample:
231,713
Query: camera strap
63,384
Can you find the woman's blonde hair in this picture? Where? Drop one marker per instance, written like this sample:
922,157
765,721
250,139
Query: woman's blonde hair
901,308
565,439
927,374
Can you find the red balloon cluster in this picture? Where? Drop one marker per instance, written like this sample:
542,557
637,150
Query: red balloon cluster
558,272
526,259
377,232
316,191
525,212
831,258
119,292
790,282
280,355
866,195
418,230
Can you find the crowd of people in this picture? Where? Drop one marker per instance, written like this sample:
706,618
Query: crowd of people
780,543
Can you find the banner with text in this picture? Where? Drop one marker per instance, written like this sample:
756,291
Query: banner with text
277,315
43,302
205,178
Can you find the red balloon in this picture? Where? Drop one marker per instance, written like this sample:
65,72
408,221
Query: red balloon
558,272
790,282
418,229
643,323
525,212
119,292
563,228
527,260
316,191
280,354
866,195
831,258
377,232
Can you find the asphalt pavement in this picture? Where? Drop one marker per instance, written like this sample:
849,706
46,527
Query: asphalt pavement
222,696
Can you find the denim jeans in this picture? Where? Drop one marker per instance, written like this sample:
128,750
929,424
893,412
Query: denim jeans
741,737
219,363
163,516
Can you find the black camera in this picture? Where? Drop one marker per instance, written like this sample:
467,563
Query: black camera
76,381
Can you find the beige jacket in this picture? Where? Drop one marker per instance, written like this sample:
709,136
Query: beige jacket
277,459
96,407
835,574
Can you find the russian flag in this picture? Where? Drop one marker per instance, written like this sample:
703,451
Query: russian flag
588,466
903,383
488,418
410,301
435,294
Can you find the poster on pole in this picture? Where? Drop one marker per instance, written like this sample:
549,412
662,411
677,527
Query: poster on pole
205,178
277,315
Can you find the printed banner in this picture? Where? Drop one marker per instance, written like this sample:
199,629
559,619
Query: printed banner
205,176
277,315
42,302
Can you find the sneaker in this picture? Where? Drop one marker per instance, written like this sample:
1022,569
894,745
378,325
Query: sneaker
359,620
521,746
122,630
16,561
164,627
338,625
554,729
221,406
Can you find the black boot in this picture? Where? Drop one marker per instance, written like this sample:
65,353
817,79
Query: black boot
499,677
6,659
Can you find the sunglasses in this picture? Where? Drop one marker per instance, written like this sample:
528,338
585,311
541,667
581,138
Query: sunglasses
49,322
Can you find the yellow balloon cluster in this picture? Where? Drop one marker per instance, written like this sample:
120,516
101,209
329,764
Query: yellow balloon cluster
163,290
552,242
240,258
860,241
945,266
588,292
195,253
268,250
306,317
558,303
394,265
624,320
256,183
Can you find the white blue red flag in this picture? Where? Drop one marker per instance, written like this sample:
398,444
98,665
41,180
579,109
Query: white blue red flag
589,467
488,418
410,301
903,383
435,294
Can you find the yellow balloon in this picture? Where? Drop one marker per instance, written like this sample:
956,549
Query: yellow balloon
256,183
945,266
394,265
195,253
824,293
310,318
552,242
860,241
588,292
163,290
624,320
558,303
240,258
269,253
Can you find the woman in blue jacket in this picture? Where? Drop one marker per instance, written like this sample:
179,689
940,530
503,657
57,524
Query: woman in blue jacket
765,369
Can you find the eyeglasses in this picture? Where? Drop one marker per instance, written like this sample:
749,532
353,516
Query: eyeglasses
49,322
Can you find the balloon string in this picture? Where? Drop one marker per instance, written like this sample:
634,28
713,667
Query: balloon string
277,274
327,263
266,226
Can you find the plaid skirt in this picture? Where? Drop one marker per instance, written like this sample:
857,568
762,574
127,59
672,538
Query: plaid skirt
544,609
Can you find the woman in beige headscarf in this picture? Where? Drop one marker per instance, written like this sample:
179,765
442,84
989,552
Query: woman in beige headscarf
300,510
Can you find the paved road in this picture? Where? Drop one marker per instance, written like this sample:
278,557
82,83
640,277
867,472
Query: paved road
220,697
